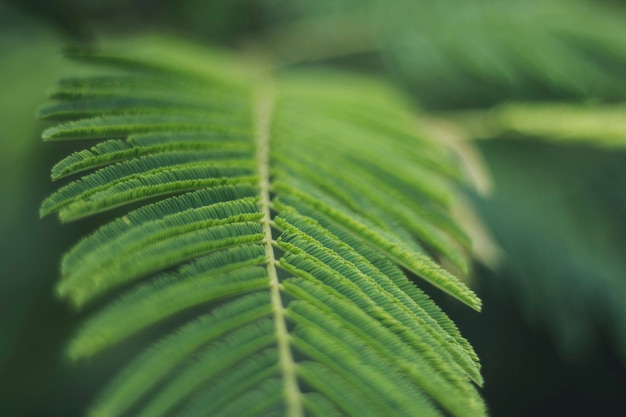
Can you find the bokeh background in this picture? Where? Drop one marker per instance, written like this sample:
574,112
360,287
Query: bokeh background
552,336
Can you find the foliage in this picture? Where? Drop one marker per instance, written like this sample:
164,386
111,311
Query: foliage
294,207
555,210
565,123
472,53
561,228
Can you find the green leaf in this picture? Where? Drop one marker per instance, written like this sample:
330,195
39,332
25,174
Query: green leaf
599,125
294,209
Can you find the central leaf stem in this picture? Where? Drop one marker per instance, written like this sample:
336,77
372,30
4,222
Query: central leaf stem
264,106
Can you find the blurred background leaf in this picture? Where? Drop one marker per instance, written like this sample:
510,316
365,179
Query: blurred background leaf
566,123
560,212
554,328
471,53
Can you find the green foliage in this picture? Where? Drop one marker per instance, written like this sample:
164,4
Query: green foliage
468,53
600,125
562,227
294,208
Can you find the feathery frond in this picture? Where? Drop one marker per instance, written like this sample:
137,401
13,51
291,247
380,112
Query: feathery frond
292,209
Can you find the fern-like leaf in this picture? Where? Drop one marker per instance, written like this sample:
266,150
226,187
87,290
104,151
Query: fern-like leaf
291,209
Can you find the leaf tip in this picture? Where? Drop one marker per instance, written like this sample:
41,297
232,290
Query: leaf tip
49,134
45,209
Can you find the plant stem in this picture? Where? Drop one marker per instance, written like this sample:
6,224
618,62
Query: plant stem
264,105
